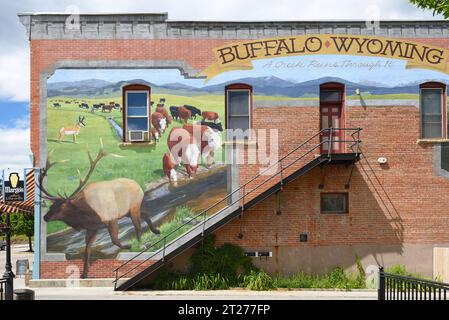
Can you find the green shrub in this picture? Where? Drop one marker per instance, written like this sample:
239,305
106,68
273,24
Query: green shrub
398,269
211,269
210,282
257,280
361,274
228,260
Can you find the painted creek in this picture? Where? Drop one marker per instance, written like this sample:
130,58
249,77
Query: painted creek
159,202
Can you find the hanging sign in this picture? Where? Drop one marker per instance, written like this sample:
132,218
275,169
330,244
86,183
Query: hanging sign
239,55
13,185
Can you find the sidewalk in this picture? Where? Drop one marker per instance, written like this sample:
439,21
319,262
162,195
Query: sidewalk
109,294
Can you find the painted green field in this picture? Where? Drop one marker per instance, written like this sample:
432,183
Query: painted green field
140,163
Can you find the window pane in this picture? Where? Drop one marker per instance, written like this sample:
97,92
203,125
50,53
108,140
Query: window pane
141,111
445,156
431,116
239,123
330,95
333,203
137,99
138,124
137,104
238,102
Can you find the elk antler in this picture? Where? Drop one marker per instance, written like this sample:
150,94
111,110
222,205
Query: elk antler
93,163
43,174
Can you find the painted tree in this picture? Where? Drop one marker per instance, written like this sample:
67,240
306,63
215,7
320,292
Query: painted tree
438,6
23,224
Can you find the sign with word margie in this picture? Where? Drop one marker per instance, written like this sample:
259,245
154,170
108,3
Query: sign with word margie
13,187
238,56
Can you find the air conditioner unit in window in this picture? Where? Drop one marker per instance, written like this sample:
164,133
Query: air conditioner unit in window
136,135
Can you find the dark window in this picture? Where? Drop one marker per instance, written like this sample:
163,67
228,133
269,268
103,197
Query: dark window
238,104
137,111
330,95
432,100
334,203
445,156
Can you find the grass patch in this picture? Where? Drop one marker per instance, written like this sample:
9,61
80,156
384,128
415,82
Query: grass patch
182,215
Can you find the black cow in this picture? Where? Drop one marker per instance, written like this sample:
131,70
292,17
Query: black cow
195,111
96,106
174,111
212,125
57,105
84,106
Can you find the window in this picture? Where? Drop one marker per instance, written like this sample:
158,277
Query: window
238,108
334,203
433,110
136,113
445,156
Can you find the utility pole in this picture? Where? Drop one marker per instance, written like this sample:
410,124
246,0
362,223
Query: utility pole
8,275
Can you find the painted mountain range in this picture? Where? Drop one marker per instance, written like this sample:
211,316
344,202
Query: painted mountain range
269,86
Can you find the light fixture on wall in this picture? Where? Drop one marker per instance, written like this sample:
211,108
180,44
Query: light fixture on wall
357,91
382,160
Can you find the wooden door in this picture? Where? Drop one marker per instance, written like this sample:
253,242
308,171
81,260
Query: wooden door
332,116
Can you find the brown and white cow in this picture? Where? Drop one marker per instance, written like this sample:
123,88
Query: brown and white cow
210,140
159,122
155,134
184,114
211,116
169,166
184,148
160,108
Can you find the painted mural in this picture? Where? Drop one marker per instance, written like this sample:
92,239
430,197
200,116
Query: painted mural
108,196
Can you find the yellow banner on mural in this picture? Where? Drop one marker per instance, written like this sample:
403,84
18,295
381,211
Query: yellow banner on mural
239,55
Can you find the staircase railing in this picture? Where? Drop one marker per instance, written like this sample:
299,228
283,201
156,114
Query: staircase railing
354,146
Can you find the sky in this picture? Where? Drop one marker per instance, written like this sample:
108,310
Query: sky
359,69
14,56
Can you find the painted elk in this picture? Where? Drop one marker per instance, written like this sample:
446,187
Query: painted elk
72,131
97,205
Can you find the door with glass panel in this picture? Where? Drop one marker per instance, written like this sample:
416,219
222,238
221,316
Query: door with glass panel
332,116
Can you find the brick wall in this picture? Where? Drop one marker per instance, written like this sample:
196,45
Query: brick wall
100,269
401,202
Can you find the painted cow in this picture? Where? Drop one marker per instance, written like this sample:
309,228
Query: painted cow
194,110
184,148
169,166
210,140
174,111
211,116
159,122
184,114
212,125
160,108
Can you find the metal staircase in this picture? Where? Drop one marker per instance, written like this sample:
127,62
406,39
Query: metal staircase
287,169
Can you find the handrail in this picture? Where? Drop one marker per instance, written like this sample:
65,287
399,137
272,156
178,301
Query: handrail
398,287
243,187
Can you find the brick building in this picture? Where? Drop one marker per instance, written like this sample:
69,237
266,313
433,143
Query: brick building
384,200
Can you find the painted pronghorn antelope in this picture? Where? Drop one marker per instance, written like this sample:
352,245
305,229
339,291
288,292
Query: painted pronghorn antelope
72,131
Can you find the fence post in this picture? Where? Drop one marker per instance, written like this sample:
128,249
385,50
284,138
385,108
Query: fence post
381,289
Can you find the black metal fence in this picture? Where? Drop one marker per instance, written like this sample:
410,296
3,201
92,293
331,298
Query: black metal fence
2,289
395,287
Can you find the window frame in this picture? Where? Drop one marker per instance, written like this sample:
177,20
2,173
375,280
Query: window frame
135,88
434,85
240,87
346,199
